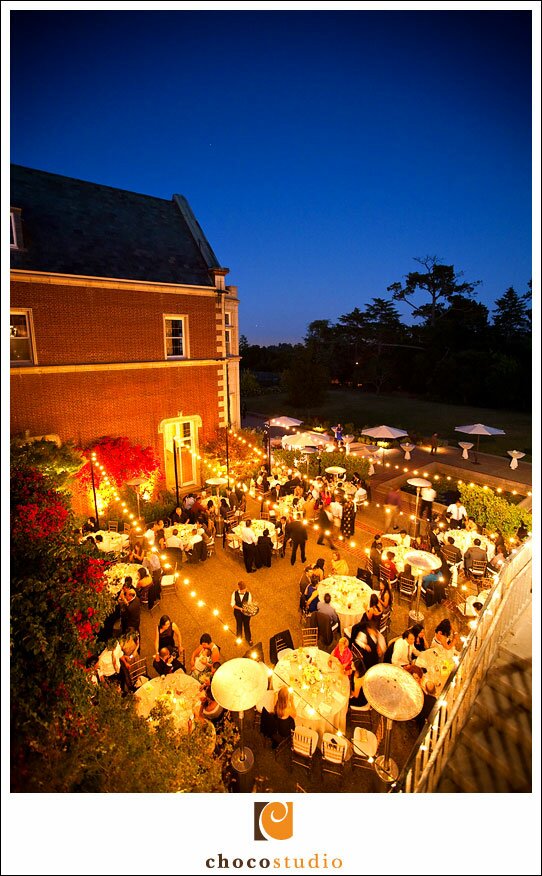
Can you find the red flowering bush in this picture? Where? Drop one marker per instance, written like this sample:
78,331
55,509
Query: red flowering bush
121,459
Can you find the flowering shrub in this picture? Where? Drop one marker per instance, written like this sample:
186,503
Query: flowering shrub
121,459
493,511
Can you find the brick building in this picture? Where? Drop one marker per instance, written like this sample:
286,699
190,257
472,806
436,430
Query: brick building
120,320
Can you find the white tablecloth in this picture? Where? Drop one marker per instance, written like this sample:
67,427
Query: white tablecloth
257,527
116,575
350,597
180,691
439,663
321,690
464,540
112,541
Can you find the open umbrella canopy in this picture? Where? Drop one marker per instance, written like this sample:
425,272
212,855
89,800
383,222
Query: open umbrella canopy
479,429
285,422
384,432
306,439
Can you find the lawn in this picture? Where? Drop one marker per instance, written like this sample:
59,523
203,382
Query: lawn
412,414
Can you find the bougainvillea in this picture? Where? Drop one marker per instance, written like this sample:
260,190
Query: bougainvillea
121,459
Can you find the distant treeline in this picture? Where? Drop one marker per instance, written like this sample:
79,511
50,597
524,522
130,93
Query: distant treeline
457,351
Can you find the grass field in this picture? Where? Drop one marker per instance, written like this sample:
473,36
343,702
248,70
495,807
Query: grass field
411,414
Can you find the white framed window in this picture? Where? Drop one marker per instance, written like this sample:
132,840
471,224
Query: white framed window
13,243
175,336
21,338
229,334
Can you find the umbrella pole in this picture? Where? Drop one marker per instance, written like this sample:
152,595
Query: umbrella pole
476,462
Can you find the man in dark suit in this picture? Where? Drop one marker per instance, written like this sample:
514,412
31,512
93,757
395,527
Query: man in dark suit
476,552
297,532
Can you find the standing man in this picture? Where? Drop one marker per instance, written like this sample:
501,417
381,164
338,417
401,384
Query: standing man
428,496
393,501
325,522
250,540
434,443
298,534
240,598
458,514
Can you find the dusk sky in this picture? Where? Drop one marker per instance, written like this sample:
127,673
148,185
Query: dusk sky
320,151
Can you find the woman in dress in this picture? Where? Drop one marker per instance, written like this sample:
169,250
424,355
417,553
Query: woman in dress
385,601
375,554
137,554
344,655
373,610
348,520
338,565
318,568
285,714
357,696
168,636
311,594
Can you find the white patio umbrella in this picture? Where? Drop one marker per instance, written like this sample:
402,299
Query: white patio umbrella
306,439
285,422
478,429
384,433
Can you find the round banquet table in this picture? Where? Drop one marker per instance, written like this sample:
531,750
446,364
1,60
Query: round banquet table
439,663
180,691
396,695
116,575
467,607
112,541
515,454
321,691
257,527
465,446
285,507
350,597
464,540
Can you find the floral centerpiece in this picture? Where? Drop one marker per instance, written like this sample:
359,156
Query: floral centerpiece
311,674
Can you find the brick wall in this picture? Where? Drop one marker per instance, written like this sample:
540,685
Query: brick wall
88,325
87,405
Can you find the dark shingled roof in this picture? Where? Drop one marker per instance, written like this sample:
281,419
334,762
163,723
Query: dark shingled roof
76,227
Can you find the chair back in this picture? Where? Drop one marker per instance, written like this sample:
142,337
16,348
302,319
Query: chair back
478,568
309,637
361,716
333,751
304,741
167,581
449,554
370,567
385,574
137,669
210,545
384,622
264,515
278,643
407,586
113,526
126,528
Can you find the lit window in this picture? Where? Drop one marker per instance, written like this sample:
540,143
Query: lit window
20,338
229,333
175,337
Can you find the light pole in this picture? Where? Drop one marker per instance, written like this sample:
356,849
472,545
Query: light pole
175,469
267,442
94,492
136,483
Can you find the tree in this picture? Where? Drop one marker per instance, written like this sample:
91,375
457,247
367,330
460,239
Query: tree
439,282
306,380
512,317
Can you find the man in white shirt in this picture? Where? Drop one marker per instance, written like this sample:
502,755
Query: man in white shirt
249,541
337,510
428,496
458,514
403,538
404,650
173,540
149,536
108,665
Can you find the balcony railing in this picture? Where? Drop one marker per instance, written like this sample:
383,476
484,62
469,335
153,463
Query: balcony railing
509,595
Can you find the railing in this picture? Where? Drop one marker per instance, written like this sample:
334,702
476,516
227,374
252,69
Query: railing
506,600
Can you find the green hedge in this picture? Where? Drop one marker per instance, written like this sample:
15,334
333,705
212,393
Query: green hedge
493,511
350,463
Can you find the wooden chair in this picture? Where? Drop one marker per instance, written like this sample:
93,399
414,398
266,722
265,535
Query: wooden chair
279,642
384,622
304,747
168,583
477,571
138,669
333,755
364,748
361,716
264,515
370,567
113,526
278,547
126,528
385,575
407,588
210,547
309,637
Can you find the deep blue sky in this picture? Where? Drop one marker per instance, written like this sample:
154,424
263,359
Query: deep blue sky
320,151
